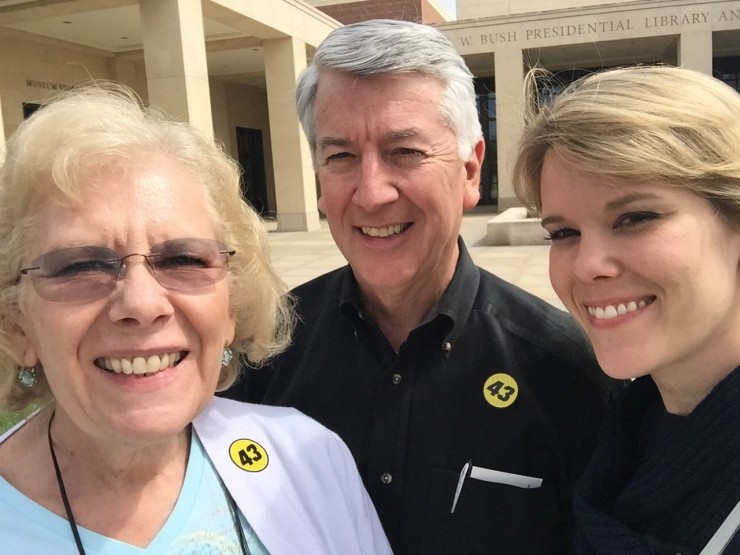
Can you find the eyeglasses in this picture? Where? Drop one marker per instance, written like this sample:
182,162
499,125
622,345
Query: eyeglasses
89,273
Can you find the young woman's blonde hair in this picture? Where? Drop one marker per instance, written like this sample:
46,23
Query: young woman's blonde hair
653,124
104,128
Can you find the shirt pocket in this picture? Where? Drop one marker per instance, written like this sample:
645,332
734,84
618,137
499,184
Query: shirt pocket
492,518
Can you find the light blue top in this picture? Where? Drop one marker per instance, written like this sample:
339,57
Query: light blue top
200,523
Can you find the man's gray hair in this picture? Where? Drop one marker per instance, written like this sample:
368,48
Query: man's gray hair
384,46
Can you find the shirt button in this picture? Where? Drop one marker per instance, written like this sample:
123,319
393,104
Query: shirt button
386,478
447,347
397,379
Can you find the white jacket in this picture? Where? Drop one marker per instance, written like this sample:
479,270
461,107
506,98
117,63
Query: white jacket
294,480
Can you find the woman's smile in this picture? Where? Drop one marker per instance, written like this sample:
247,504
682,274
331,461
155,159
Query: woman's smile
140,365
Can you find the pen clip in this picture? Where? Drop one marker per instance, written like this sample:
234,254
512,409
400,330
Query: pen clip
464,473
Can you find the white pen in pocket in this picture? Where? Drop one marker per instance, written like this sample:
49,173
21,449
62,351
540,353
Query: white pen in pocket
498,477
493,476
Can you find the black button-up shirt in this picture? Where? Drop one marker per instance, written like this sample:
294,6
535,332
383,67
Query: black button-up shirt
494,376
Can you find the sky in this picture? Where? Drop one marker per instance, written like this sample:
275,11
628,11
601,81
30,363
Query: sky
448,5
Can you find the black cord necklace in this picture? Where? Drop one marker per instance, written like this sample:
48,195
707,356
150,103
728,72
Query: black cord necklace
71,518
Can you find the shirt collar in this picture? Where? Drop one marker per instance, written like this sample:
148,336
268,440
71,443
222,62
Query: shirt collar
457,301
455,305
349,296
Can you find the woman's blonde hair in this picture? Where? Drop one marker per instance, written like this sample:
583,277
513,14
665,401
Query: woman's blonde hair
103,127
652,124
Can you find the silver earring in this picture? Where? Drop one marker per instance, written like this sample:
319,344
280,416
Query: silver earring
226,357
27,377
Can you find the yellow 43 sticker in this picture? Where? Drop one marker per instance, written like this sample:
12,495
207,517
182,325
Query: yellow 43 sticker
500,391
248,455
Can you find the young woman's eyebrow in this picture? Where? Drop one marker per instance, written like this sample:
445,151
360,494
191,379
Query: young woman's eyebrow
551,220
629,198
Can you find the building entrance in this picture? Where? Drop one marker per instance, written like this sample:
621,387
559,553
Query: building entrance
252,161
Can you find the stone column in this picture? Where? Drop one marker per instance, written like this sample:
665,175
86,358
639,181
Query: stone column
295,184
175,58
695,51
509,81
131,73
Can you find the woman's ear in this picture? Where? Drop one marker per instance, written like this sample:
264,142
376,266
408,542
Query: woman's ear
231,326
20,346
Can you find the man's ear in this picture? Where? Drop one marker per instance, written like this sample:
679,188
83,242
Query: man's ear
471,196
320,205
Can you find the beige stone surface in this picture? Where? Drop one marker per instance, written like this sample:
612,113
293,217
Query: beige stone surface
175,59
295,189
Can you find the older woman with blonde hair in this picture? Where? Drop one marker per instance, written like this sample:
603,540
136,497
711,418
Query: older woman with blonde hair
132,280
636,173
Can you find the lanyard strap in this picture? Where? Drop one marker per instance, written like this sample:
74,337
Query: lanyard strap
724,533
63,492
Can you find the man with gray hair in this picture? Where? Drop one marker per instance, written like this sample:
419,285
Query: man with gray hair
470,406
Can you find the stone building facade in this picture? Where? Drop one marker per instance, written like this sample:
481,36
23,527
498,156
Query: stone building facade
230,66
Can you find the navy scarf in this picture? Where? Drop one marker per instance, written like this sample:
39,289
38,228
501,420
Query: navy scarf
674,500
